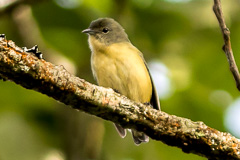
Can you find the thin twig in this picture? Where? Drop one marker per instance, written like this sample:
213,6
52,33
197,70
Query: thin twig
227,43
30,72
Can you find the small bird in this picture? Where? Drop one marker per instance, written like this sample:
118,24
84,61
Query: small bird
117,64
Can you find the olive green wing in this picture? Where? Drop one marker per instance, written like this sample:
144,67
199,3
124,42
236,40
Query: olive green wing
154,99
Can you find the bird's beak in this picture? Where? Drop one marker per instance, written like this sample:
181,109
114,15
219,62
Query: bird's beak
88,31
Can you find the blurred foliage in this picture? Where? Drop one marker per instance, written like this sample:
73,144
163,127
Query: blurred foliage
183,35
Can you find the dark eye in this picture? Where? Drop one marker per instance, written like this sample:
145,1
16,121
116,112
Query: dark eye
105,30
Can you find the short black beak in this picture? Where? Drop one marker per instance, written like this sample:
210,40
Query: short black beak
89,31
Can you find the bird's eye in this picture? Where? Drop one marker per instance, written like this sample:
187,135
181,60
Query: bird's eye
105,30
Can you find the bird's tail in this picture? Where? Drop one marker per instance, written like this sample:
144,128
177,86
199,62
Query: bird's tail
139,137
121,130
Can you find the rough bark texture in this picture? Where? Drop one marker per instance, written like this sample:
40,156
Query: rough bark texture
30,72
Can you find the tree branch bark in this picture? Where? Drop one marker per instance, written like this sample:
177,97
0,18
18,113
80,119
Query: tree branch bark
217,8
30,72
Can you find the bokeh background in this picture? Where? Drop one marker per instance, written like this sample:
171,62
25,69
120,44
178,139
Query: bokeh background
181,42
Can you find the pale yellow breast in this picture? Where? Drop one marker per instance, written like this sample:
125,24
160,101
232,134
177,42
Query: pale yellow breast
119,66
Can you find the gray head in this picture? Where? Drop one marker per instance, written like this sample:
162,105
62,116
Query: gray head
107,31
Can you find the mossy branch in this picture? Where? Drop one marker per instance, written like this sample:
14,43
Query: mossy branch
29,71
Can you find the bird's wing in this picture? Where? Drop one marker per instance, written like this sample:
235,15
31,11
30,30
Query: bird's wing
154,99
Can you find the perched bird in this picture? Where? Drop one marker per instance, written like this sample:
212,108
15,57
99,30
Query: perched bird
117,64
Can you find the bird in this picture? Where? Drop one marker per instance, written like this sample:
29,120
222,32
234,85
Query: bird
116,63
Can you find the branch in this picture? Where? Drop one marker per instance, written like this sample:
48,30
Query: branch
27,70
227,43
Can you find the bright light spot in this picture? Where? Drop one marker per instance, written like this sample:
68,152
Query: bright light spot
232,118
160,75
220,98
69,4
54,155
5,3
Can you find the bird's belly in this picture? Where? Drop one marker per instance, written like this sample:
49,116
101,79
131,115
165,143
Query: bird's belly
129,76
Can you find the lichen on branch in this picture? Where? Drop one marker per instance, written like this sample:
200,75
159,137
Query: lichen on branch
29,71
